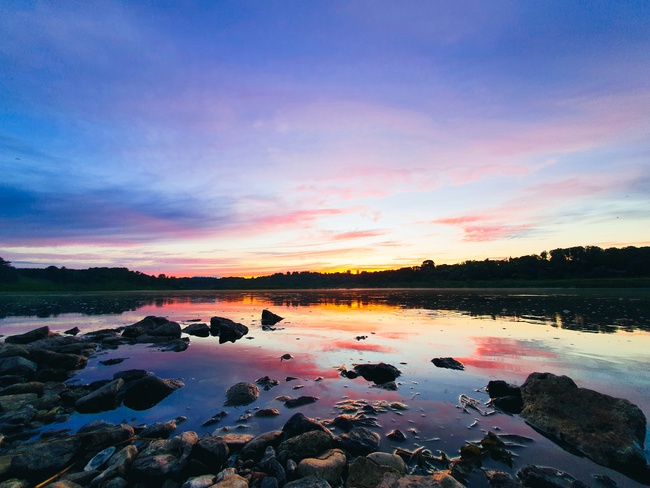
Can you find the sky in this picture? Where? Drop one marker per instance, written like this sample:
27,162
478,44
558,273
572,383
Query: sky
244,138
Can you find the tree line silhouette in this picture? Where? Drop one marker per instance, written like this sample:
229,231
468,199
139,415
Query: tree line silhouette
590,265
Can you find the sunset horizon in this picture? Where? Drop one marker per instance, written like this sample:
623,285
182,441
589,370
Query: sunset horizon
247,139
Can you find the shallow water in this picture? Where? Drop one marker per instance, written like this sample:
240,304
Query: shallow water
600,338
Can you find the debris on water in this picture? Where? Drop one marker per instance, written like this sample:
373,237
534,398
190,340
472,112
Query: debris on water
360,338
473,424
320,378
469,402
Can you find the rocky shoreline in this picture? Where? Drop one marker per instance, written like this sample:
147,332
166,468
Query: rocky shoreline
34,368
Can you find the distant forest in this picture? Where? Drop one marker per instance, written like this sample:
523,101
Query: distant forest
575,266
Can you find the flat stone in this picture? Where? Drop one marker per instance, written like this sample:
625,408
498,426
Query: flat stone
235,442
118,465
203,481
17,365
43,459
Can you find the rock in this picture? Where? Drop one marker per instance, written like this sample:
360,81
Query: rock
154,467
360,441
102,399
74,331
9,403
211,451
547,477
267,383
30,387
309,444
199,330
300,401
232,481
101,434
308,482
509,404
256,447
269,482
227,330
235,442
130,375
28,337
203,481
159,430
118,465
365,473
439,479
57,360
449,363
392,461
112,362
242,393
396,435
377,373
267,412
501,479
19,366
299,424
328,466
610,431
168,329
149,391
269,318
40,460
500,388
64,484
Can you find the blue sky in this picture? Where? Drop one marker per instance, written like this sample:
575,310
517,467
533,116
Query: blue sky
245,138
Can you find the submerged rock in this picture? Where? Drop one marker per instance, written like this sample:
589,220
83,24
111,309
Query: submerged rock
300,401
199,330
378,373
610,431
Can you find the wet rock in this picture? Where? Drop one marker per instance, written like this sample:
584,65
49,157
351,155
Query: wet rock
28,337
242,393
211,451
300,401
149,391
102,399
40,460
509,404
449,363
500,388
203,481
235,442
439,479
610,431
269,482
309,444
256,447
547,477
378,373
269,318
267,383
392,461
74,331
299,424
30,387
168,329
232,481
199,330
18,366
14,402
159,430
175,345
390,385
57,360
267,412
360,441
154,467
501,479
118,465
328,466
101,434
309,482
227,330
396,435
130,375
365,473
112,362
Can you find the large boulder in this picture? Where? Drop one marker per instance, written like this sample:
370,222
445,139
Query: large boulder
309,444
227,330
19,366
241,393
149,391
328,466
377,373
610,431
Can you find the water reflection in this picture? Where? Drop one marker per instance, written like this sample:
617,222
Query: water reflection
602,311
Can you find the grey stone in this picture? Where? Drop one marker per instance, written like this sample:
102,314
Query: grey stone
242,393
157,466
118,465
168,329
299,424
501,479
309,444
328,466
14,402
232,481
199,330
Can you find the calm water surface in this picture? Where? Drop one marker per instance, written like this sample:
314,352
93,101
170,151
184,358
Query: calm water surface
601,339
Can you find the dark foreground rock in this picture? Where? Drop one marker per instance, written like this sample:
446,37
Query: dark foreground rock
378,373
149,391
269,318
28,337
547,477
610,431
227,330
